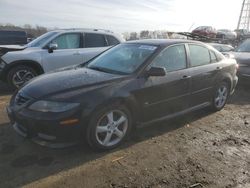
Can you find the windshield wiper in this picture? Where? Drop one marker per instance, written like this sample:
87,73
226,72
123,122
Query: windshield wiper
102,69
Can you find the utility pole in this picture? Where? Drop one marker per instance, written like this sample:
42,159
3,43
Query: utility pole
244,19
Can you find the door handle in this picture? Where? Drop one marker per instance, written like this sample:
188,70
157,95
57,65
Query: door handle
218,68
185,77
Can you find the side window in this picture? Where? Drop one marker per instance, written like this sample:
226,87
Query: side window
93,40
172,58
219,56
199,55
112,40
68,41
213,57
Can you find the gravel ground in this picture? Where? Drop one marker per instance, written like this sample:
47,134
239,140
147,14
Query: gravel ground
200,149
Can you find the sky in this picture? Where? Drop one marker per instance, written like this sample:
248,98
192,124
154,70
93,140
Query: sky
122,15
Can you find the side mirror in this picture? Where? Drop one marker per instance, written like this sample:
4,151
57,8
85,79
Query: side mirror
52,47
156,71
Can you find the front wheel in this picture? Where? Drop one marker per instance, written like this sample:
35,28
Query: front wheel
109,127
19,75
220,96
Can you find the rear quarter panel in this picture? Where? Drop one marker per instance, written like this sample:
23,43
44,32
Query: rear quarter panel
228,72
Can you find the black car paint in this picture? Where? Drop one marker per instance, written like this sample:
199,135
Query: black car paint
148,98
243,59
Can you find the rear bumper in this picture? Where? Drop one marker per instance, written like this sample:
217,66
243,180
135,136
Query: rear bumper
234,84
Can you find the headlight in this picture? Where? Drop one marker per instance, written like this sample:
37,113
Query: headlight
51,106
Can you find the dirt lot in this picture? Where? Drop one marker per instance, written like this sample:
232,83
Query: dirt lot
201,149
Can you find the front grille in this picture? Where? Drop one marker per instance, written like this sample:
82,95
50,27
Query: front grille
21,99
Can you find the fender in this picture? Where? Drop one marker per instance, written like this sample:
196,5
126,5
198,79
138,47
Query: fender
122,97
225,77
30,63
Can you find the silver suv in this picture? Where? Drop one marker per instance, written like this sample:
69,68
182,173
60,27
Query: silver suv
53,50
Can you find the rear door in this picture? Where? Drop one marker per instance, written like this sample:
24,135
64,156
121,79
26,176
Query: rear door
94,44
204,68
67,53
166,95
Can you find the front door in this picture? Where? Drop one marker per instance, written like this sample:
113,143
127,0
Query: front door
68,52
166,95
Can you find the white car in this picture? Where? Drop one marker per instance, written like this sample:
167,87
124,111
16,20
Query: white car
51,51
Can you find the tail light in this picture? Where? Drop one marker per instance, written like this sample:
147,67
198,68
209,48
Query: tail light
237,66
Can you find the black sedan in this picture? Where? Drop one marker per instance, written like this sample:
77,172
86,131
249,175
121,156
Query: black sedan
137,82
242,55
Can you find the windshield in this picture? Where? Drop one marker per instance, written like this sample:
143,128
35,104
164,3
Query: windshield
244,47
38,42
202,28
122,59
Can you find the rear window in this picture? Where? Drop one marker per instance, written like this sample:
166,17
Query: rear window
112,40
213,57
92,40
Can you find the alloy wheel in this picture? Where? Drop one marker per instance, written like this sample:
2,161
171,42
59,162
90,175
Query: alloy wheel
221,96
21,77
111,128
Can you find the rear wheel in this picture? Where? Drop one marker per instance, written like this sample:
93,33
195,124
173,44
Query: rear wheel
109,127
220,96
19,75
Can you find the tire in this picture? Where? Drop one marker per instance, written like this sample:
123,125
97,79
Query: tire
104,132
220,96
19,75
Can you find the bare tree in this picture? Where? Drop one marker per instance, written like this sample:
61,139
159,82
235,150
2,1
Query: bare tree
133,36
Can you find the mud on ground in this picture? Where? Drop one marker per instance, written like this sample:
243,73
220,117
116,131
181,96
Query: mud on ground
200,149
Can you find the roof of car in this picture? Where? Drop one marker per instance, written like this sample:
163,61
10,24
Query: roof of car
163,42
89,30
85,30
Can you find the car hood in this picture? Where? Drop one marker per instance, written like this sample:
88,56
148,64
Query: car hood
9,48
242,57
67,80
